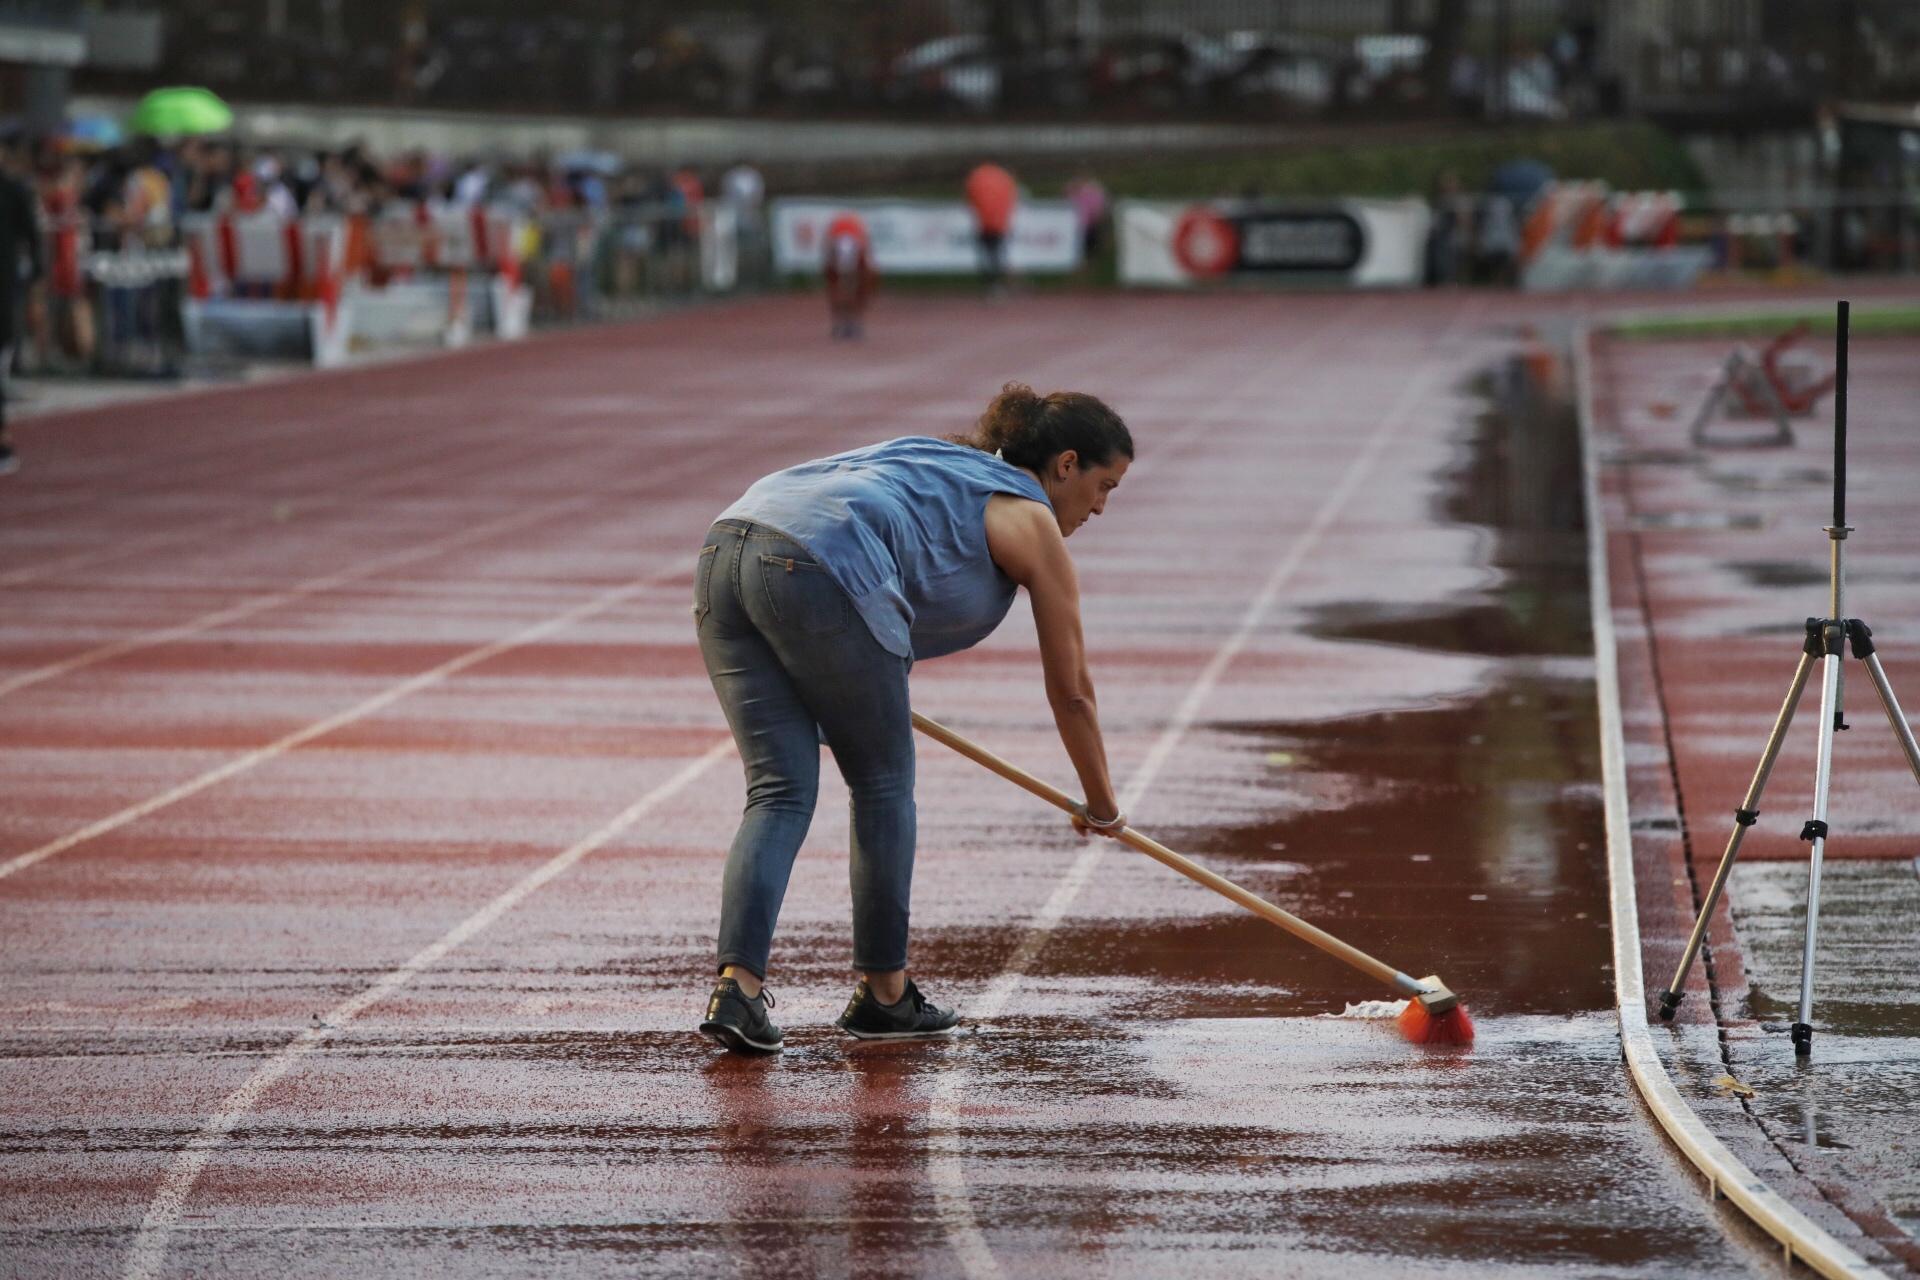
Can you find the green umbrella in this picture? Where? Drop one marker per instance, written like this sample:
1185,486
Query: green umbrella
176,112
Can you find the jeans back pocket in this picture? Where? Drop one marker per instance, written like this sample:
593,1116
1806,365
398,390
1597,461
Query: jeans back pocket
804,596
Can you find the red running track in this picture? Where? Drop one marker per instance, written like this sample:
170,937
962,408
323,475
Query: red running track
366,801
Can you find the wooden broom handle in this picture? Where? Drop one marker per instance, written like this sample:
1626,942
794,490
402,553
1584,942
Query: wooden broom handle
1185,866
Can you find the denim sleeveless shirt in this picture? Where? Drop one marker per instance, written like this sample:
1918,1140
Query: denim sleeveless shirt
901,526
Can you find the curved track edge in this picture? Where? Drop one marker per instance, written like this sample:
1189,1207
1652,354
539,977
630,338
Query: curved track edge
1799,1236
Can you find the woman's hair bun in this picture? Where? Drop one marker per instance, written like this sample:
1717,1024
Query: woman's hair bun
1028,429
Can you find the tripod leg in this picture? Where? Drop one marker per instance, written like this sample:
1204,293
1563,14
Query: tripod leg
1895,717
1697,433
1815,832
1743,817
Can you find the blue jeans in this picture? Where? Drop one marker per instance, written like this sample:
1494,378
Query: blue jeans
793,662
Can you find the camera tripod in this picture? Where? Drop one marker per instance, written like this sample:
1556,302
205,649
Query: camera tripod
1826,641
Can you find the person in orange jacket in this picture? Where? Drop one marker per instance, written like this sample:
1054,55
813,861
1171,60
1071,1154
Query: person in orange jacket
850,275
992,194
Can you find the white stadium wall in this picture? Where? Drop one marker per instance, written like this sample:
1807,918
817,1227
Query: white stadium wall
925,237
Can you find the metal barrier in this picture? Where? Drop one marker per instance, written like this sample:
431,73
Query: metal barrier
623,262
137,292
115,302
108,303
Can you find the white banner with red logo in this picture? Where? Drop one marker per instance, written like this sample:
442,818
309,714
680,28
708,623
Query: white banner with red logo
1357,243
926,237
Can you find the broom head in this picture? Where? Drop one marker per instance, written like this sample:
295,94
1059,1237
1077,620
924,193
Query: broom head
1436,1016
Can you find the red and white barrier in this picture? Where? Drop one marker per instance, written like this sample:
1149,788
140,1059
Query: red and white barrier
403,276
1580,235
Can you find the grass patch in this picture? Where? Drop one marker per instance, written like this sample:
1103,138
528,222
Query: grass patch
1891,321
1630,157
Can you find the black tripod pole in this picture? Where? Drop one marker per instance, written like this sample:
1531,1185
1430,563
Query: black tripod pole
1841,321
1858,631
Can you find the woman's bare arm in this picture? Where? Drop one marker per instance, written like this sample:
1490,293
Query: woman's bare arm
1026,543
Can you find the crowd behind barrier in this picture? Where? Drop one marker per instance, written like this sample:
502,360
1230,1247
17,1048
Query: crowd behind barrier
141,243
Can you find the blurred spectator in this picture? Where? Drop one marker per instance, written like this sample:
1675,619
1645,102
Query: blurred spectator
1089,201
1447,236
991,194
471,187
59,313
147,200
19,263
271,189
743,186
686,182
850,276
1497,241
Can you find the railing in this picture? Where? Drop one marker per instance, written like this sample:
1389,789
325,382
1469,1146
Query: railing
111,299
108,301
627,261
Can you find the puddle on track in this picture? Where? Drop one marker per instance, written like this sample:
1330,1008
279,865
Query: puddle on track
1469,837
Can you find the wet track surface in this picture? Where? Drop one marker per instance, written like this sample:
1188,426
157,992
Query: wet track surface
1337,623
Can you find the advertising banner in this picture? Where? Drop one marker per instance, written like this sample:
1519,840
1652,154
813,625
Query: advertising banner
925,237
1360,243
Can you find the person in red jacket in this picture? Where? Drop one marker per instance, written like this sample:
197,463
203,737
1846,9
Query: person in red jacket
991,192
850,275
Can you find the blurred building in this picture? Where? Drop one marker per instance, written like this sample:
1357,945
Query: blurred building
40,44
1693,62
44,43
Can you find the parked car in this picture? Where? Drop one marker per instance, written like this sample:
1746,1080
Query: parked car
950,71
1276,72
1156,66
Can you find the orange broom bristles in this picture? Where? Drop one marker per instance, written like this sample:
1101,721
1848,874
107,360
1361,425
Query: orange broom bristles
1421,1027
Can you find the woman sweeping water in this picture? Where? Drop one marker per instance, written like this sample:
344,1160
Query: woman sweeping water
813,595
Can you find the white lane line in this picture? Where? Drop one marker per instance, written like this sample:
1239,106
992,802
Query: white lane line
473,1225
319,728
261,603
1799,1236
163,1212
431,463
945,1166
139,545
113,1039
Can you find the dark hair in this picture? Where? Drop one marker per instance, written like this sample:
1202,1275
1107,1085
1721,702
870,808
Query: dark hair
1030,430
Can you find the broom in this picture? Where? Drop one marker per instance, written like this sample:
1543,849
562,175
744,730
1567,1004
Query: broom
1434,1014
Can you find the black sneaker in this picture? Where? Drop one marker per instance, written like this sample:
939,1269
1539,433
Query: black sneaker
9,463
738,1023
914,1017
